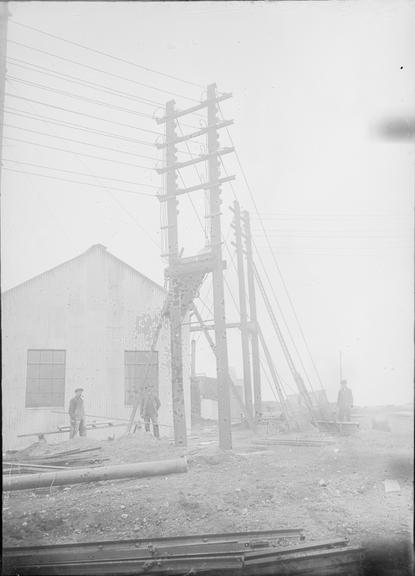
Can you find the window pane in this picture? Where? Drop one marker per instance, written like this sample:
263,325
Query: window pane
141,369
32,371
46,371
46,356
58,370
45,384
58,392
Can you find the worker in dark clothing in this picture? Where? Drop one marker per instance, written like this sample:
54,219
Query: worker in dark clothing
150,404
77,414
344,402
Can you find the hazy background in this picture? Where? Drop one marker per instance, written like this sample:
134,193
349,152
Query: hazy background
311,83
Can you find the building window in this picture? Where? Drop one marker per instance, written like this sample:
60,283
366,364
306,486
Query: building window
141,369
45,382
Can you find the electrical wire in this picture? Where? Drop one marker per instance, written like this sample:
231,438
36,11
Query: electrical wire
88,67
273,257
134,141
79,97
110,193
80,81
71,172
23,114
106,54
83,183
81,154
61,108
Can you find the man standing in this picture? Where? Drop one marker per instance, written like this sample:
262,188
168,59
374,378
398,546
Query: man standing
344,402
77,414
150,404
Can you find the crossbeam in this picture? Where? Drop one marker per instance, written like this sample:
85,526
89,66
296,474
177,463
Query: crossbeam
204,186
200,132
203,104
201,158
212,327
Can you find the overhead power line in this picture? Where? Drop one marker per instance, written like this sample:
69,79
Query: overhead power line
106,54
69,139
143,142
49,120
88,67
146,143
71,172
79,153
79,97
274,259
76,80
82,183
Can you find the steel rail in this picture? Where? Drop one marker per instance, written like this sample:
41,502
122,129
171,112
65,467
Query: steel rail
241,537
250,550
315,559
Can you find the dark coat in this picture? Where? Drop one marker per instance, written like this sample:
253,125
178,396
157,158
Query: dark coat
345,398
149,405
76,408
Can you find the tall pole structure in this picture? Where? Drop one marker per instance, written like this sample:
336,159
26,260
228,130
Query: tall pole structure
246,363
222,362
4,17
175,308
186,275
256,368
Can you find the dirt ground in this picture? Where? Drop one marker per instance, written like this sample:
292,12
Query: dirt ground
335,490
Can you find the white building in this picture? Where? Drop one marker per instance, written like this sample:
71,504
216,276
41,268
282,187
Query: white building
86,323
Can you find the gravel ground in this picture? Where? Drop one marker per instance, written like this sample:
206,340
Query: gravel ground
335,490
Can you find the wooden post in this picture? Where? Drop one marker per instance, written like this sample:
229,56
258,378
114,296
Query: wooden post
246,363
256,367
4,17
175,311
222,362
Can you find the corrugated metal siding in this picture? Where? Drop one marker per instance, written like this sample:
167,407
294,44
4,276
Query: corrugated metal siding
90,307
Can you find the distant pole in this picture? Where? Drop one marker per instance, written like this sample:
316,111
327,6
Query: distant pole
175,310
222,361
193,358
246,363
4,17
256,367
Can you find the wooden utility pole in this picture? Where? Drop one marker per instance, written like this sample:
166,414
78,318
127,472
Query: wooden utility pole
246,363
4,17
186,275
222,362
175,309
256,368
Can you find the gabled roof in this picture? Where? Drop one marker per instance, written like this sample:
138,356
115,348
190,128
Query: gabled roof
97,248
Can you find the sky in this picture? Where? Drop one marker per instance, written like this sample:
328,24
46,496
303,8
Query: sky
311,84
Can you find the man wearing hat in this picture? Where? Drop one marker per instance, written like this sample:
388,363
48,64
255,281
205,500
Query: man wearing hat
77,414
149,406
344,402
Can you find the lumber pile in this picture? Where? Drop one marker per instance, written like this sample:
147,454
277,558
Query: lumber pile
292,442
76,458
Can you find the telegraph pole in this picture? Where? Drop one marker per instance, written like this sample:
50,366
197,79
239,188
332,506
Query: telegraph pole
175,308
4,17
246,363
186,275
222,362
256,368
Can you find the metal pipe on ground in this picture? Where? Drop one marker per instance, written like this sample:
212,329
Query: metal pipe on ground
140,470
